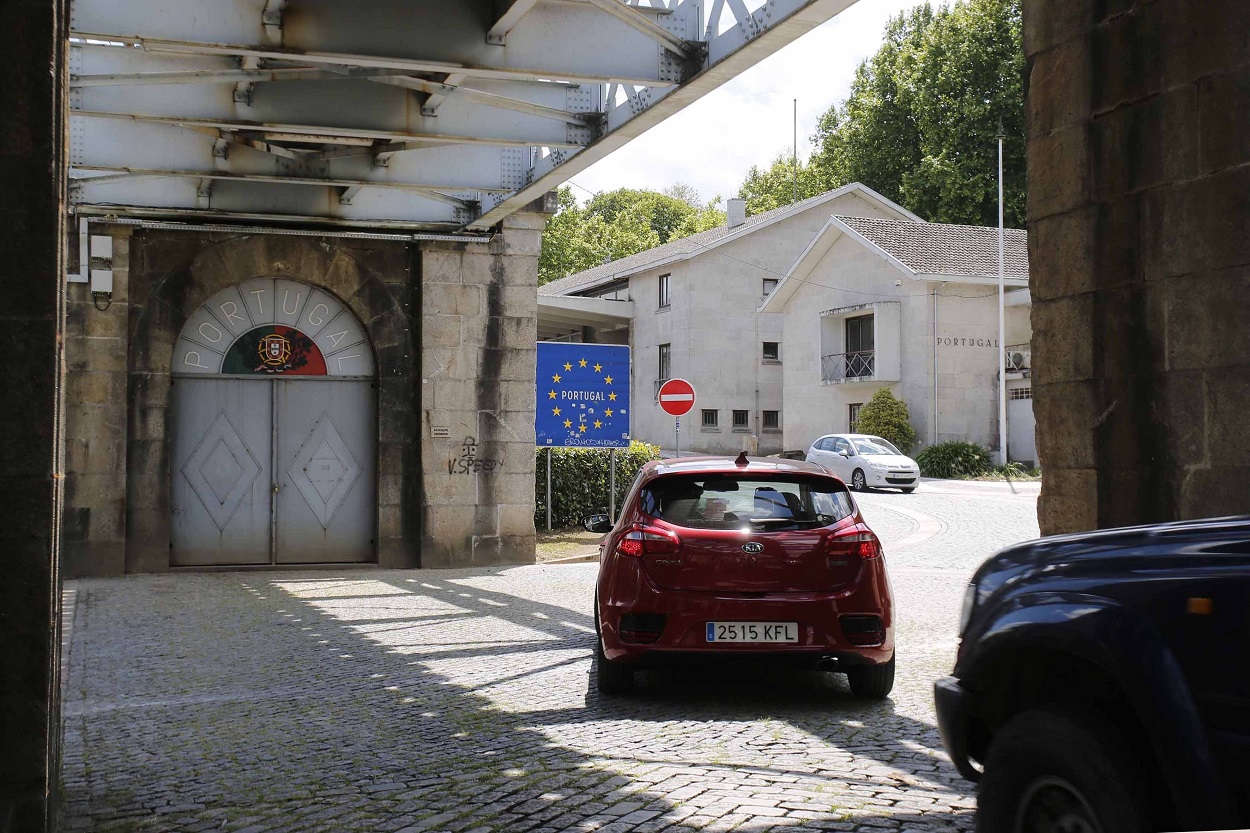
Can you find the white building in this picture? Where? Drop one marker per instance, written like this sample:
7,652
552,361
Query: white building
690,309
784,322
912,307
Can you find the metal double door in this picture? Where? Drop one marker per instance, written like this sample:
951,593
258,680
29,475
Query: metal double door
272,471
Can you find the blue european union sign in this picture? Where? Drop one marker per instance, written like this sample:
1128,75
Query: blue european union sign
583,395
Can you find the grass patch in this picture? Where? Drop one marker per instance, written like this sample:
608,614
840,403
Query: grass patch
565,543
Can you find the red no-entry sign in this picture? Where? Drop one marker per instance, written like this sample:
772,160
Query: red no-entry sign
676,397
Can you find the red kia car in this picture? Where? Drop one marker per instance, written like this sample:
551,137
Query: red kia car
746,559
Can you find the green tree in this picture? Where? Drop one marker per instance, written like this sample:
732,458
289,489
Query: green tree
686,193
576,239
708,217
616,224
920,123
767,188
886,416
663,213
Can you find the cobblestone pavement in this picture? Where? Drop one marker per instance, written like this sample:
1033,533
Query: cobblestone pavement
459,700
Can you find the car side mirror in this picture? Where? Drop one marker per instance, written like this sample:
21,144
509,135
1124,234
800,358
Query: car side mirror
597,523
844,453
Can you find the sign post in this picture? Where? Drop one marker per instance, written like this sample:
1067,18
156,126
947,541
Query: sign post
612,488
676,397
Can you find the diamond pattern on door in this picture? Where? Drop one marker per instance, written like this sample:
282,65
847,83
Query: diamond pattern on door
221,470
324,470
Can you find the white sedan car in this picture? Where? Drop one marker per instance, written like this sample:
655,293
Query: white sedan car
865,462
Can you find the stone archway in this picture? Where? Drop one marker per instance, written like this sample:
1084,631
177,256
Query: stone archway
273,430
175,275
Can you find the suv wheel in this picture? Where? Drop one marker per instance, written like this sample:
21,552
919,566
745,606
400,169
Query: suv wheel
1060,771
871,682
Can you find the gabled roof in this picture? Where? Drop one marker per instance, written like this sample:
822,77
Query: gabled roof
922,251
686,247
945,249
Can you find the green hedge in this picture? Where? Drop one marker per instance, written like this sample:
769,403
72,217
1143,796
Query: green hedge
579,480
955,458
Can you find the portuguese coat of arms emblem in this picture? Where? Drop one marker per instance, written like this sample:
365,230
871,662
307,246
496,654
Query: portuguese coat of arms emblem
274,352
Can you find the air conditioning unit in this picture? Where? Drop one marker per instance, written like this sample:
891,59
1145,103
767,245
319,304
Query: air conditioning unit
1017,361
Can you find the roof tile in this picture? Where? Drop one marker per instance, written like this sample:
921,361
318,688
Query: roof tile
946,249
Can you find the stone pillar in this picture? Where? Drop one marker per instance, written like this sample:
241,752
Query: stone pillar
1139,194
95,421
478,331
32,167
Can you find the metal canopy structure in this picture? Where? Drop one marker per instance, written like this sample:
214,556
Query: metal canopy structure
427,115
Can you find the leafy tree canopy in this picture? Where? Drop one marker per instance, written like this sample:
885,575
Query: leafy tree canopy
920,123
616,224
777,185
662,212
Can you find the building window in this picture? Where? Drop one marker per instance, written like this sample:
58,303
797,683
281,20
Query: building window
769,285
741,419
1020,393
860,344
664,296
854,414
665,367
711,418
772,419
772,351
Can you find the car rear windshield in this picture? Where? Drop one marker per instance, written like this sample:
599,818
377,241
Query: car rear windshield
731,502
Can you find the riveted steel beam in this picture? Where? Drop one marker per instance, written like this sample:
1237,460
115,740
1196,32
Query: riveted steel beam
630,17
115,174
88,40
488,99
320,134
517,9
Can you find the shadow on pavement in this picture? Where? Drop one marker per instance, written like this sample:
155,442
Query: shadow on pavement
451,701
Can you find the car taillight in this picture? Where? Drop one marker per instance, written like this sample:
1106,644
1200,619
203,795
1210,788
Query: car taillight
856,541
647,540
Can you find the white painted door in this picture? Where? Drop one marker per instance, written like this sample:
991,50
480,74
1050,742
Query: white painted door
325,471
272,471
222,488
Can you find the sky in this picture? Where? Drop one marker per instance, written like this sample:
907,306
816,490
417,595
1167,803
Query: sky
714,142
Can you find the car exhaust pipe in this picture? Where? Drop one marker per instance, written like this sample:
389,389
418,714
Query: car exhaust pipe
827,664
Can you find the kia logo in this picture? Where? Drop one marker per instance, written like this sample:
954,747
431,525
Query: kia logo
753,548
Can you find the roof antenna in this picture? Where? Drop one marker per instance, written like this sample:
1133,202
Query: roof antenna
742,460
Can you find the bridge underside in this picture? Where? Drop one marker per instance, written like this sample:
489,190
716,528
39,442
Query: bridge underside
431,115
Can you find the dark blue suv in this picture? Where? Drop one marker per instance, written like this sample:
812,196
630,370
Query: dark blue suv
1103,682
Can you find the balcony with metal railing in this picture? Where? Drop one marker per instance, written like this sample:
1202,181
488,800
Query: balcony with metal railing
838,368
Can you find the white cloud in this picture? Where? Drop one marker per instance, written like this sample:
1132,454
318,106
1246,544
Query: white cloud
748,121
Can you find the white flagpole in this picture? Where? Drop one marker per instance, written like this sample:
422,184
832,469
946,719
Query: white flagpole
1002,346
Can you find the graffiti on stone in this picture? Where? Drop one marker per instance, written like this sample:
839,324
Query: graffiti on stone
469,463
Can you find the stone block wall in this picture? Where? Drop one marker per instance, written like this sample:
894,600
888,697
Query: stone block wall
1139,193
33,169
478,330
96,385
